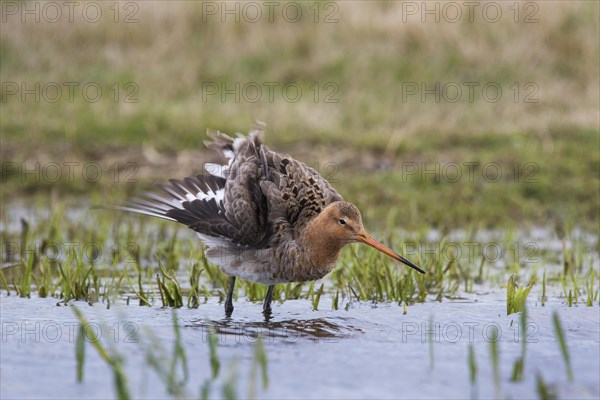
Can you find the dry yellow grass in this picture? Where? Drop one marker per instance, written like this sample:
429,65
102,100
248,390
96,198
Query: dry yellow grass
373,49
366,61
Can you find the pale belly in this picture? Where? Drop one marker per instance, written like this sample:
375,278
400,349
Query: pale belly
262,266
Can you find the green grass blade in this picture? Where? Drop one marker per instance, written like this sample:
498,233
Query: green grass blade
115,362
80,352
495,361
317,297
214,359
261,357
543,390
510,295
563,345
472,365
544,288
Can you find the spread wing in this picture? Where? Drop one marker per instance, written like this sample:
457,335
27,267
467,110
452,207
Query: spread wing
226,206
247,202
194,201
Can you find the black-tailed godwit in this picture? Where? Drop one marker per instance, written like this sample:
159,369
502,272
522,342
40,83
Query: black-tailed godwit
264,217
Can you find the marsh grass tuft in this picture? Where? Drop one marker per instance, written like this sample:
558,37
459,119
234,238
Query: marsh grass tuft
591,294
25,286
146,262
139,292
516,296
78,282
168,286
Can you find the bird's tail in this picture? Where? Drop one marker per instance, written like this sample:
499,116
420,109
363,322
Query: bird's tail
229,147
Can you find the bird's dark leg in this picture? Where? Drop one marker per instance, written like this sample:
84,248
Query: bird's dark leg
229,300
267,303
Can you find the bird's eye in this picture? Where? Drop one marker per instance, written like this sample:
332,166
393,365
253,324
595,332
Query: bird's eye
342,221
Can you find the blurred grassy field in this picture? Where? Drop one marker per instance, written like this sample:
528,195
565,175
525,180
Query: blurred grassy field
355,117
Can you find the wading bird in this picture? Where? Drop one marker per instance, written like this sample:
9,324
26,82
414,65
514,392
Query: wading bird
264,216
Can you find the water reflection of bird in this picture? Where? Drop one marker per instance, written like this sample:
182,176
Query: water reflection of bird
264,216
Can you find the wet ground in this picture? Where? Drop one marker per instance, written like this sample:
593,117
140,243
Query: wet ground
367,351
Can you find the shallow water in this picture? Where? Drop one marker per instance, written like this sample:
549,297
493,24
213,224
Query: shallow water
365,351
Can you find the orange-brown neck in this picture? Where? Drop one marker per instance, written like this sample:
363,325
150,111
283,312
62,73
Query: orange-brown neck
321,248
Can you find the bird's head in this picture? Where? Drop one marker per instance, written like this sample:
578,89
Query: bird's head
343,222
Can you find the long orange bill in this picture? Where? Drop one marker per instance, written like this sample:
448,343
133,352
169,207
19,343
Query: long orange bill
366,239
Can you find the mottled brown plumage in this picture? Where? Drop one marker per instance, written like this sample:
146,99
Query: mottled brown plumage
264,216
